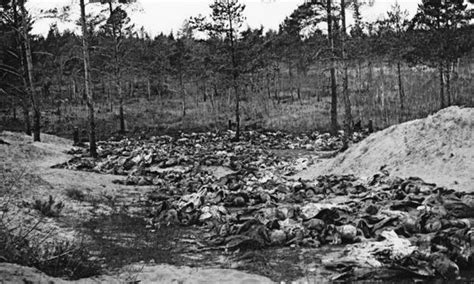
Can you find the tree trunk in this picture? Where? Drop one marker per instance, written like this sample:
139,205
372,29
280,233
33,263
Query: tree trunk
204,91
290,83
132,89
455,78
441,86
237,111
401,93
104,88
117,71
121,112
448,83
69,91
269,92
370,75
381,92
29,65
361,100
276,78
21,49
26,115
148,88
183,93
334,126
213,95
109,97
345,82
88,81
298,85
13,105
197,94
234,81
74,89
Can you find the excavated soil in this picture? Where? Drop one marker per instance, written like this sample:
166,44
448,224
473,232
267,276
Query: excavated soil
439,149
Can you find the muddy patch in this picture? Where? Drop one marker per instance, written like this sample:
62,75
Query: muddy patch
119,240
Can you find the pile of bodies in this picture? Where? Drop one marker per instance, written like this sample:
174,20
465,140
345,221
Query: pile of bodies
243,197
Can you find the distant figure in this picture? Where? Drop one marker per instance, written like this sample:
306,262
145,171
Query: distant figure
75,136
358,126
232,125
370,126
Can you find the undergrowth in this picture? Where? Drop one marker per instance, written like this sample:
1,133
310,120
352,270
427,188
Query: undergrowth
28,246
75,194
48,208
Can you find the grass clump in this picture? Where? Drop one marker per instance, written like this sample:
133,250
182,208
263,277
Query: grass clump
49,208
76,194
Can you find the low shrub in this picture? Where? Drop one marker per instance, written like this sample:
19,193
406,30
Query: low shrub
49,208
68,260
58,259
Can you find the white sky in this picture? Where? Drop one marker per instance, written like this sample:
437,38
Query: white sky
168,15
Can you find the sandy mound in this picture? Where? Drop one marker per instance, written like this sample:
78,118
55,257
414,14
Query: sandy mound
12,273
439,149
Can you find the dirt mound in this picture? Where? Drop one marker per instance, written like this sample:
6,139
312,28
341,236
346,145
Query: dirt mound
439,149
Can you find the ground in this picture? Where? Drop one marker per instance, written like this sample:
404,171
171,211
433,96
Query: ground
34,161
107,217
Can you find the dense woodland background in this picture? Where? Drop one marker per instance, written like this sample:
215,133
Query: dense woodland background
299,78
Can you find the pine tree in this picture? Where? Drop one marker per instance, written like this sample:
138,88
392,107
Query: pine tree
392,42
88,81
116,24
437,36
225,21
30,72
345,79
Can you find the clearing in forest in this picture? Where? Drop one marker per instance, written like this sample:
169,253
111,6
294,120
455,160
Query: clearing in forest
201,200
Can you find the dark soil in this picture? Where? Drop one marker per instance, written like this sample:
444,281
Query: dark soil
120,240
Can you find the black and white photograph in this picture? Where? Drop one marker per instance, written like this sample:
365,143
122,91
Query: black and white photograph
236,141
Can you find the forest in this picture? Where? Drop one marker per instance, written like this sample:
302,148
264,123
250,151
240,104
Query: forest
314,73
332,149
